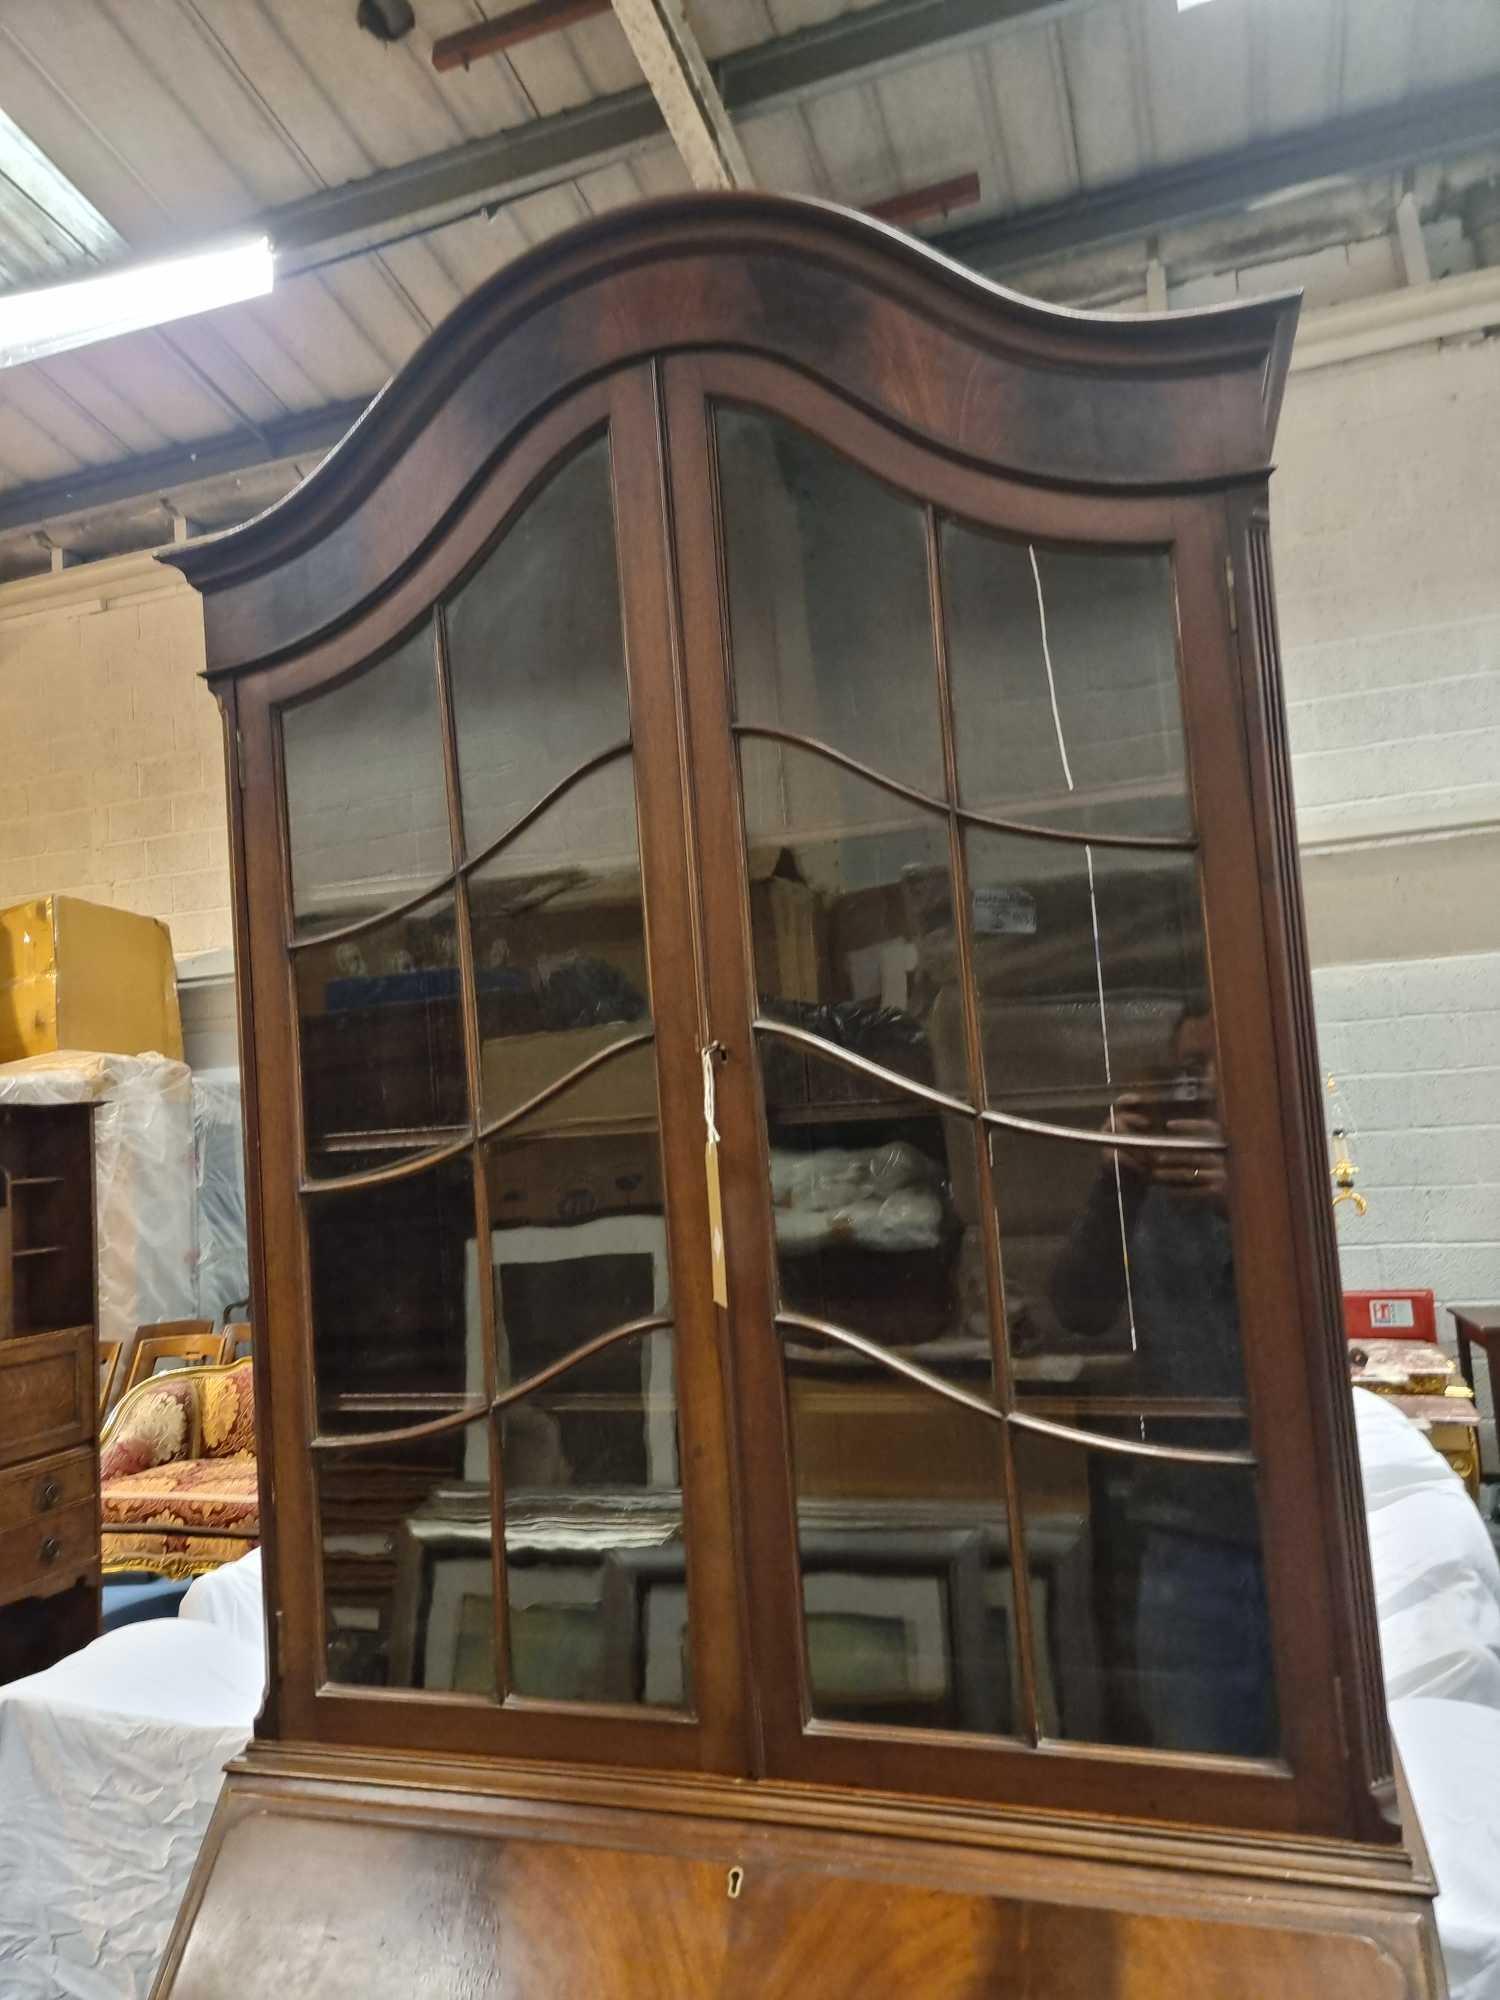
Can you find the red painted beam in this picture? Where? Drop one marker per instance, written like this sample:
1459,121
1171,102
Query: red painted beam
921,204
522,24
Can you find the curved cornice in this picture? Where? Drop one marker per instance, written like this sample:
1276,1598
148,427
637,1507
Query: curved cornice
1043,393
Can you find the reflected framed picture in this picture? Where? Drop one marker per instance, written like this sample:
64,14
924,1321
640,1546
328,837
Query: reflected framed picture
558,1627
541,1272
458,1647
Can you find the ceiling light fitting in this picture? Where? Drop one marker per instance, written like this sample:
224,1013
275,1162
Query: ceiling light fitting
53,319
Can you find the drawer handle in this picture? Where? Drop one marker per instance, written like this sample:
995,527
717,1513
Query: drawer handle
50,1550
47,1495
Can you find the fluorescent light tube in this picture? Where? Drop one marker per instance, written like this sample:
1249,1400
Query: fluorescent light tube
1183,5
50,321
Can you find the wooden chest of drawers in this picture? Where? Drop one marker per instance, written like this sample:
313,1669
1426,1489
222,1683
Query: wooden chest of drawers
49,1525
48,1393
49,1499
49,1388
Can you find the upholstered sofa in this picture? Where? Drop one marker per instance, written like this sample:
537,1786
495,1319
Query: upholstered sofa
177,1481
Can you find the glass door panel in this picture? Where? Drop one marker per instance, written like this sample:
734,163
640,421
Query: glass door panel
1064,674
904,1546
579,1271
560,953
366,807
499,1469
536,650
1148,1590
812,659
595,1573
393,1343
998,1201
408,1573
380,1021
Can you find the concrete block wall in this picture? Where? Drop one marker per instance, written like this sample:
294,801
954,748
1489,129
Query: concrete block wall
1414,1048
113,781
1386,538
1386,512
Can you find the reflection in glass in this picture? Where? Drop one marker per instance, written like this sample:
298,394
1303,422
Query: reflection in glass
594,1508
579,1238
381,1036
1170,1646
1086,959
408,1585
392,1341
535,650
850,905
1119,1268
367,812
596,1573
593,1530
868,1234
1065,693
906,1584
560,953
830,617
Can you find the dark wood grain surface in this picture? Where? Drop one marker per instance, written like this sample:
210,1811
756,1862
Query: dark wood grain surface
391,1894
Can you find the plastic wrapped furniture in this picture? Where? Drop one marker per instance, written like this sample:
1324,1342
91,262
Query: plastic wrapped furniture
144,1198
222,1274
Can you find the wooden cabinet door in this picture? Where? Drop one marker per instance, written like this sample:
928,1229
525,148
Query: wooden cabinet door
482,1174
1015,1273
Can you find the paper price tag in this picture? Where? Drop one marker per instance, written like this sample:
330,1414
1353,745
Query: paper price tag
1000,910
711,1176
716,1223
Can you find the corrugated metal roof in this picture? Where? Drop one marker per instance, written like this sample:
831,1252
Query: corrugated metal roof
177,120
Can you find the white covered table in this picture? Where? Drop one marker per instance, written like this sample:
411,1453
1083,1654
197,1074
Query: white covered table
110,1763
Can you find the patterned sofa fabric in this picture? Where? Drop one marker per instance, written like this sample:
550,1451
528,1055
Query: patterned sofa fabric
177,1476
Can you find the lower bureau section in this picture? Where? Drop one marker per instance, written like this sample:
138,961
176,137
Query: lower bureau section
354,1893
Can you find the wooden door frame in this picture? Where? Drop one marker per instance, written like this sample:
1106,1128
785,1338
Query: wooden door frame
1283,1279
415,1721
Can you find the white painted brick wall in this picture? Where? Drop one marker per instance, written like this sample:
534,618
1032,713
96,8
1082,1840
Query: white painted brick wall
1386,534
1386,513
1415,1050
114,780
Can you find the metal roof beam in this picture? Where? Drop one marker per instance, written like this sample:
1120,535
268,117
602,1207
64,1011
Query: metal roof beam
306,435
503,166
1366,144
920,204
1363,145
506,31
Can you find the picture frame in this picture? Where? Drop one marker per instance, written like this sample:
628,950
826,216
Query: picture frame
555,1243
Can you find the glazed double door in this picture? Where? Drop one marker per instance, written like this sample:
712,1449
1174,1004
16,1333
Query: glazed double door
760,1221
